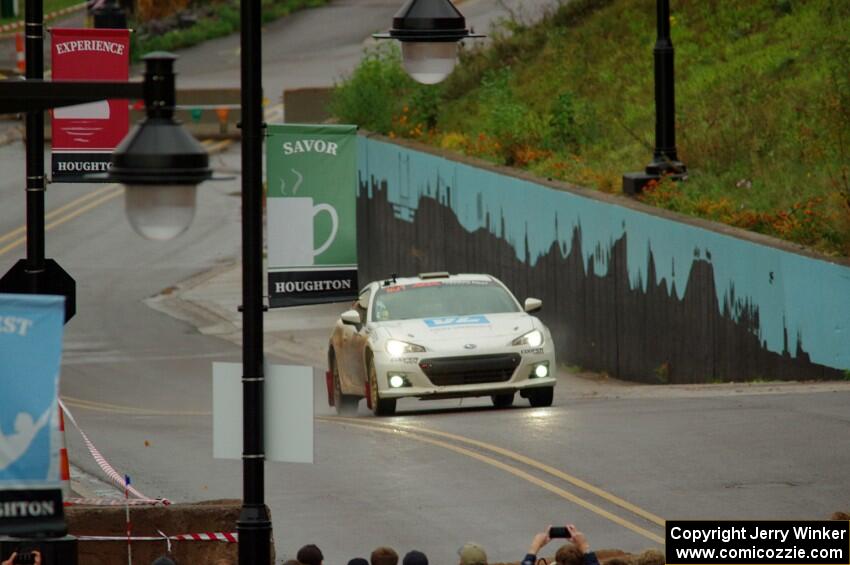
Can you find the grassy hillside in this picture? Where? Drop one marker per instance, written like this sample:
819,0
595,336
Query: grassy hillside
763,107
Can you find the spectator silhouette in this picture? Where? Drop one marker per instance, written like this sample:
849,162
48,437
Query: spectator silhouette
472,554
310,554
568,554
164,560
577,539
384,556
414,557
650,557
358,561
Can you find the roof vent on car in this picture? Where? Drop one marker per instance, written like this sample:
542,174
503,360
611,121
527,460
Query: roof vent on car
435,275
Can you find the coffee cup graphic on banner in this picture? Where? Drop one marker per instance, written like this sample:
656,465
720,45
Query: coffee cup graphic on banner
292,234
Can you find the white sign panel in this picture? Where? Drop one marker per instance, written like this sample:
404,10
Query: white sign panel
288,430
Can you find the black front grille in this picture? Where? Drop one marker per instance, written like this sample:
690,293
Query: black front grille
475,369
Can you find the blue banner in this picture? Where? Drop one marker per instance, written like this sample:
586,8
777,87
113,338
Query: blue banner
30,355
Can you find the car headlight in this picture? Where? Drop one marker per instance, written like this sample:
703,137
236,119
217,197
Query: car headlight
534,338
397,348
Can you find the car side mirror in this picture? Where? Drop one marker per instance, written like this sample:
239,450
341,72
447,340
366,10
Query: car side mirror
533,305
351,317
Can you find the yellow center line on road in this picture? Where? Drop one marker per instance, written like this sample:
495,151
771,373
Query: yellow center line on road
504,467
57,211
415,434
129,410
116,191
527,461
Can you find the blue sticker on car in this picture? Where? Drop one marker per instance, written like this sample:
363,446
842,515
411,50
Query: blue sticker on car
449,321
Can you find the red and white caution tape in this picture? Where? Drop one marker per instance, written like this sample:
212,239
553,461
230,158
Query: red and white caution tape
116,477
227,537
113,502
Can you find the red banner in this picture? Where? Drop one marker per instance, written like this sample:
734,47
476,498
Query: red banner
85,135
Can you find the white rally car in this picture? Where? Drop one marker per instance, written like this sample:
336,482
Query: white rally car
439,336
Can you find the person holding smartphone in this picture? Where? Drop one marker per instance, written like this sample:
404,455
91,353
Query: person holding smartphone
571,533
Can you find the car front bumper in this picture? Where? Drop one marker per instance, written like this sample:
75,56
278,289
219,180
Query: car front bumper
432,375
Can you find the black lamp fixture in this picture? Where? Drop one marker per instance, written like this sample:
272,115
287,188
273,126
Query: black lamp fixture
429,31
159,162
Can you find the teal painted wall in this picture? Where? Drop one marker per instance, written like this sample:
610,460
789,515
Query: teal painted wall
797,297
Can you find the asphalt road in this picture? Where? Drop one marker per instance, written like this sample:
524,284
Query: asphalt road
611,458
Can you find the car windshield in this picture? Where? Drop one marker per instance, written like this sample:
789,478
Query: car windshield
436,298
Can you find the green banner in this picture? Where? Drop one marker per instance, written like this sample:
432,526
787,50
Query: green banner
311,213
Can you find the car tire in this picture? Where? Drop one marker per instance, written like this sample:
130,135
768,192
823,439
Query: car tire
540,397
380,406
345,404
502,400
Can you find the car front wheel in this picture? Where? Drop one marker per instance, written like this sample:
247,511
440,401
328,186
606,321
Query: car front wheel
345,404
539,397
380,406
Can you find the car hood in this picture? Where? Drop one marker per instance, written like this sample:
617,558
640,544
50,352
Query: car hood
453,332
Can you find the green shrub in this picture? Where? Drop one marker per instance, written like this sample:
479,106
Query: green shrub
375,92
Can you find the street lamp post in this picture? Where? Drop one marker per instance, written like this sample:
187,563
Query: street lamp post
254,524
665,161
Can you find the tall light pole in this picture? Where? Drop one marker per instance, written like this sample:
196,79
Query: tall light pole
429,31
665,161
254,524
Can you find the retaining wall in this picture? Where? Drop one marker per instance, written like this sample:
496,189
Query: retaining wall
148,521
628,289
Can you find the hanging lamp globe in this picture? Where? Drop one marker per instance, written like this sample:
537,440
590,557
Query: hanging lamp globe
159,162
429,32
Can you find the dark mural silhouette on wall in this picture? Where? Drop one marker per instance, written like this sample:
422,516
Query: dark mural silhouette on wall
599,322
